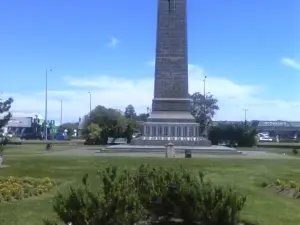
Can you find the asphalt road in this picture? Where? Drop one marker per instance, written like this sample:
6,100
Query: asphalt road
51,141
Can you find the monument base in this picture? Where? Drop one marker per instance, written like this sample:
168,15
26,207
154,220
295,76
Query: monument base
177,141
180,150
165,127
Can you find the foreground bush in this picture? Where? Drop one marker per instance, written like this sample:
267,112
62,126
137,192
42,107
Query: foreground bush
19,188
152,195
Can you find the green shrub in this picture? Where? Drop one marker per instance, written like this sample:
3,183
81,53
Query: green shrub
295,151
156,195
293,184
278,182
233,134
94,141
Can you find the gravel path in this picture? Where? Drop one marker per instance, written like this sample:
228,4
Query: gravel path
94,151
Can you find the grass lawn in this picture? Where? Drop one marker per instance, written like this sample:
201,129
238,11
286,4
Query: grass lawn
246,175
29,149
281,151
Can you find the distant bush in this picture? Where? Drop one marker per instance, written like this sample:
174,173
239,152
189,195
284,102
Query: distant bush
295,151
94,141
155,195
240,135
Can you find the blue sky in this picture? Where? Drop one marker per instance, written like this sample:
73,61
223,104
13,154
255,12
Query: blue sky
103,45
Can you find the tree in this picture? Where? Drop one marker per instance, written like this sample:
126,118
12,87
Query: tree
102,116
4,111
111,122
203,108
233,134
128,133
143,117
5,116
130,112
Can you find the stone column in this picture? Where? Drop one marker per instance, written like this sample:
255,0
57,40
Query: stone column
181,131
150,131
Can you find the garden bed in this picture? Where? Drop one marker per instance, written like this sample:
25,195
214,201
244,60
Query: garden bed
15,188
286,188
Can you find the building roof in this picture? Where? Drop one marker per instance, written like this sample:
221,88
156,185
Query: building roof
266,123
27,114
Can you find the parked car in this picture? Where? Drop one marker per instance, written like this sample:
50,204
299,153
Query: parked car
30,136
265,137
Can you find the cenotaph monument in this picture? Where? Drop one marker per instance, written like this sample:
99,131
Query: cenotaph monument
170,119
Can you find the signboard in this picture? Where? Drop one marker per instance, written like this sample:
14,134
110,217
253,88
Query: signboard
275,123
19,122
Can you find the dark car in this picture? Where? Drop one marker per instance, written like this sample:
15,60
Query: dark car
31,136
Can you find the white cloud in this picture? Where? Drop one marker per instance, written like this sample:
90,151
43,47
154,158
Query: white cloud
118,92
113,42
291,63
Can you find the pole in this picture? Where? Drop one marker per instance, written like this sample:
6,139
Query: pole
204,84
204,95
90,111
46,105
245,111
61,112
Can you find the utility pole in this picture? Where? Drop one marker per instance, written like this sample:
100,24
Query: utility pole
204,87
204,95
90,112
61,112
245,111
46,104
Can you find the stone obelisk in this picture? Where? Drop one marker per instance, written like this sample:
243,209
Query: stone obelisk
170,119
171,97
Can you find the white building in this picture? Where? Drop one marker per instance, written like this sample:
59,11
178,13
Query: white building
20,120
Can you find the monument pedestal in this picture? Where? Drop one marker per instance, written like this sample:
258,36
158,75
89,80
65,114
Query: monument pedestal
180,134
178,141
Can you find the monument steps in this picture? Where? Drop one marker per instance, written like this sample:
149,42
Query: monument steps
207,150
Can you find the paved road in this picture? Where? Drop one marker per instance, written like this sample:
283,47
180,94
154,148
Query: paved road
79,142
88,151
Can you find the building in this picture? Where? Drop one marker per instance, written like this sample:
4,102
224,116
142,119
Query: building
284,129
29,125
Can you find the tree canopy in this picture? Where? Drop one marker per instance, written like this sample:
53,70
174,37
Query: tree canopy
114,123
241,134
143,117
5,115
203,108
130,112
111,122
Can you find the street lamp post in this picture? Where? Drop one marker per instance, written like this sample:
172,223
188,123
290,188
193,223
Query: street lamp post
61,112
245,111
204,95
90,112
204,86
46,104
